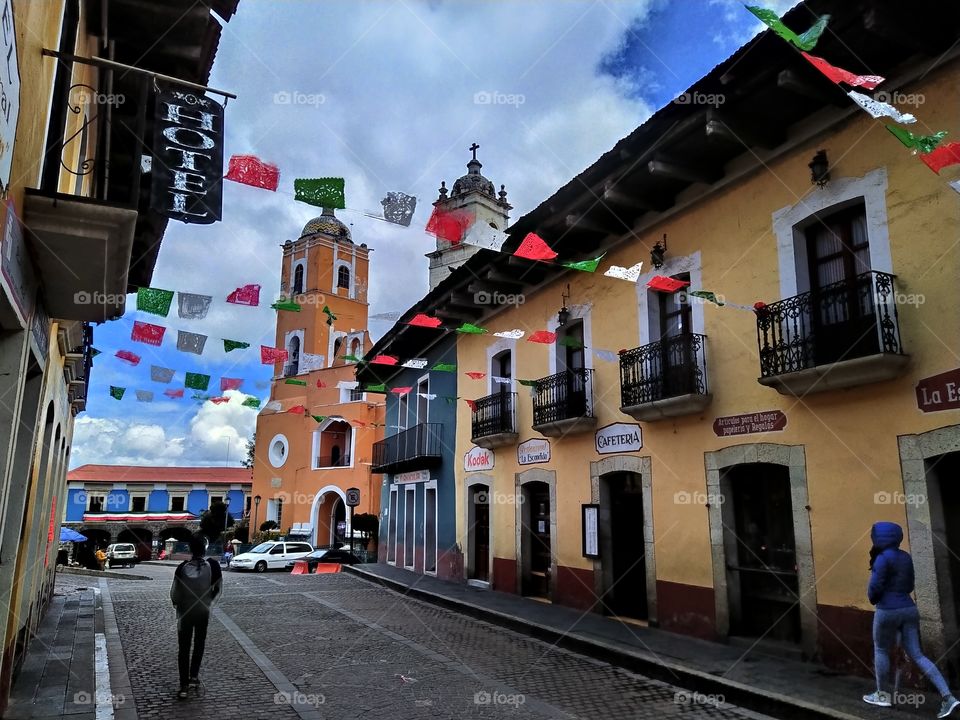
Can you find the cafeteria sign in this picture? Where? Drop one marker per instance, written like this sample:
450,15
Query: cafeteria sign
187,162
618,437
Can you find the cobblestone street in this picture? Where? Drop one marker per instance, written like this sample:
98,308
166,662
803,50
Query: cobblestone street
335,646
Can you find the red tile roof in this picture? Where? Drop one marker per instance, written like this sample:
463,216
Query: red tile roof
141,474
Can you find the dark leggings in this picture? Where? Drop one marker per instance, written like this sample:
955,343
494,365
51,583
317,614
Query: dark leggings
191,625
906,621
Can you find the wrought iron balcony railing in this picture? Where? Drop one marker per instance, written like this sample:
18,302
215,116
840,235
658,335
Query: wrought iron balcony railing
846,320
419,445
494,415
328,461
670,367
567,395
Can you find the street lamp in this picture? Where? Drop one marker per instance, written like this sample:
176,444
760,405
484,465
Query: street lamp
226,514
256,510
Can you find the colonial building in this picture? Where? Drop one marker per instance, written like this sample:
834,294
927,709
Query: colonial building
314,437
147,505
714,469
79,231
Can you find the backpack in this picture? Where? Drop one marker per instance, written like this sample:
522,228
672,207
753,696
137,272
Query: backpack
195,584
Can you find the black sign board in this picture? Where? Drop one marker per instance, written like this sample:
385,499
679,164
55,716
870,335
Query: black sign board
353,497
187,162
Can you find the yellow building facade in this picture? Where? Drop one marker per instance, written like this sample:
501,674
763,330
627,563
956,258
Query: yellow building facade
715,470
315,437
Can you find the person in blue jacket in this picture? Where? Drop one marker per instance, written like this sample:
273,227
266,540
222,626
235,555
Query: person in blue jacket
890,589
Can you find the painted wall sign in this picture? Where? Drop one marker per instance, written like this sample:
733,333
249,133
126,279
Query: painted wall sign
535,450
40,332
412,476
758,422
478,458
16,267
618,437
939,392
9,92
188,156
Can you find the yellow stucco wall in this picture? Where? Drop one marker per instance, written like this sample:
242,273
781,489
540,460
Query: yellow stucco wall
850,436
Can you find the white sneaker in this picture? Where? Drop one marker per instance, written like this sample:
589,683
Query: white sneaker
949,704
879,698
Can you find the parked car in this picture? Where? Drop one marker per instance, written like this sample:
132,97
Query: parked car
344,557
271,555
121,554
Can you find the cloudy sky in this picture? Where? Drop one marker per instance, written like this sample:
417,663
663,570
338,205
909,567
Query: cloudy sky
389,95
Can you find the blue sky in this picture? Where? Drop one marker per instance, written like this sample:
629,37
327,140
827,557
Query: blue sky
388,95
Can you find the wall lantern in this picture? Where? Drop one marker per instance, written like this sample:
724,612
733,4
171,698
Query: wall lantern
563,315
819,169
658,253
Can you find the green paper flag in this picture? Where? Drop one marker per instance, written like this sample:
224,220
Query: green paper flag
706,295
229,345
584,265
291,381
445,367
322,192
571,342
917,143
375,388
153,301
351,358
470,329
319,418
286,305
330,316
805,41
117,392
251,402
196,381
527,383
94,352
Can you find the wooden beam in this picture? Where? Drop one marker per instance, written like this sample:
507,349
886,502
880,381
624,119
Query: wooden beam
686,173
584,224
821,91
734,130
499,278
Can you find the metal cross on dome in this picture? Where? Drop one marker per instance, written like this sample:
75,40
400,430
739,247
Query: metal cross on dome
473,148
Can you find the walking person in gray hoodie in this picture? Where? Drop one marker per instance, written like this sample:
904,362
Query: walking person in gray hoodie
891,584
196,582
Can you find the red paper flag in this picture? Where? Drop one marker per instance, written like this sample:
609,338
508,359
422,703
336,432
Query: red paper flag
271,356
662,283
219,400
246,295
533,247
476,375
401,390
384,360
297,410
147,333
251,170
543,336
422,320
944,155
174,393
230,383
128,356
472,404
839,75
450,225
359,423
321,384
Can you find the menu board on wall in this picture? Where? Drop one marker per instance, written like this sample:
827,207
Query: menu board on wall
591,538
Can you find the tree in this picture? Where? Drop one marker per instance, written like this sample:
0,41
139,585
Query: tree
268,525
241,532
366,524
214,520
251,445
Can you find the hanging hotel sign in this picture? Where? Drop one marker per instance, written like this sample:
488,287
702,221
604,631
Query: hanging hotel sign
187,156
478,458
939,392
9,92
533,451
758,422
618,437
16,268
412,476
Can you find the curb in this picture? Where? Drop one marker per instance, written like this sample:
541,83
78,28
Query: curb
642,663
101,573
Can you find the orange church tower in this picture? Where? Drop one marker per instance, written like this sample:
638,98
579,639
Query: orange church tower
315,435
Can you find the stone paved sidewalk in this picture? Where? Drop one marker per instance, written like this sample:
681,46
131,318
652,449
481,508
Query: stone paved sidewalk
751,679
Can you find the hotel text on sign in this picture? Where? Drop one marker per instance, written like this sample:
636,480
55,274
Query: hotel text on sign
478,459
618,437
412,476
758,422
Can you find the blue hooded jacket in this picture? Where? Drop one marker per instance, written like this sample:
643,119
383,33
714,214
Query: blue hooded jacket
891,581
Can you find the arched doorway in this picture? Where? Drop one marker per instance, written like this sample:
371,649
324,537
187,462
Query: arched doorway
329,516
478,556
333,444
142,538
537,523
85,552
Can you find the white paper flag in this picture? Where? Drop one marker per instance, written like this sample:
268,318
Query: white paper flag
160,374
629,274
192,306
607,355
416,363
956,185
273,405
393,315
145,395
482,235
426,396
510,334
311,361
878,109
501,380
348,384
191,342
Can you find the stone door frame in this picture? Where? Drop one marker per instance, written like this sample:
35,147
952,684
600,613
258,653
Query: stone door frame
793,457
523,519
469,538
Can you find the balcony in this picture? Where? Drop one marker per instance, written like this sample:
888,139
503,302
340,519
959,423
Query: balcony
563,403
842,335
417,447
326,462
495,420
664,379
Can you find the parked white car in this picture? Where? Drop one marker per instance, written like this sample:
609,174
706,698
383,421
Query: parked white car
271,556
121,554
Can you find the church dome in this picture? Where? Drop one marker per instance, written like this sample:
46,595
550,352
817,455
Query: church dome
473,181
327,224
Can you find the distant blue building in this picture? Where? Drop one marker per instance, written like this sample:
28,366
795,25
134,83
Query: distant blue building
416,457
146,505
